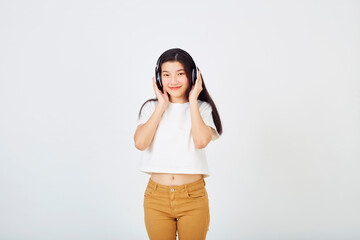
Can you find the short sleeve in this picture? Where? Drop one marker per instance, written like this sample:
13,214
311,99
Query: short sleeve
146,112
206,114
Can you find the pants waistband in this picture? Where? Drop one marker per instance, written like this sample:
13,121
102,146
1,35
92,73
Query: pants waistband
164,188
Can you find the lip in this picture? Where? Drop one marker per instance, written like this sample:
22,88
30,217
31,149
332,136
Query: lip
175,88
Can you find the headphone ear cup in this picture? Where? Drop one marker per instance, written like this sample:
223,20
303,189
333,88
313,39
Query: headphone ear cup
158,81
194,75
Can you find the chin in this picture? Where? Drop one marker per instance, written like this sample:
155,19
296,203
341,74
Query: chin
177,94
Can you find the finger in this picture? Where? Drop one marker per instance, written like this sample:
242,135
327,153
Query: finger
198,81
200,78
153,80
156,89
154,83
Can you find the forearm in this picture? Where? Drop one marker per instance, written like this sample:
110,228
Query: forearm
145,133
201,133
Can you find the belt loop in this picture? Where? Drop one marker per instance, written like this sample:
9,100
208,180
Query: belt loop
156,185
186,188
204,182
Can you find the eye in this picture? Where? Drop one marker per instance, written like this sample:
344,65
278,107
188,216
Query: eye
181,73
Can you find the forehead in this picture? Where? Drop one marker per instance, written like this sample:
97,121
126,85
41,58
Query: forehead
171,66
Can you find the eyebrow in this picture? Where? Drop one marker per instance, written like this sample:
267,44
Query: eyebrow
177,70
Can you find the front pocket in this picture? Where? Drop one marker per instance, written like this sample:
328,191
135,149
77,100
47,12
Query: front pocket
148,192
198,193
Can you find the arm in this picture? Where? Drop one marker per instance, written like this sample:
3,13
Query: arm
201,133
144,133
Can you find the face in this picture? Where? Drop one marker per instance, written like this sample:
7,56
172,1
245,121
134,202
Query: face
174,81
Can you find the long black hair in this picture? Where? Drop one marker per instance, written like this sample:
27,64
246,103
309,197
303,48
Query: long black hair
179,55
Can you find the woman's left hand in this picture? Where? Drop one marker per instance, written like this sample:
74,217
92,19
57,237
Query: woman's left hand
196,88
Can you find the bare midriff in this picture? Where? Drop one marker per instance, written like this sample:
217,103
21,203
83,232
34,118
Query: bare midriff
170,179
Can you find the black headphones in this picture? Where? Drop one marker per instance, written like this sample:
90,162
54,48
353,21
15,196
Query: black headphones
194,74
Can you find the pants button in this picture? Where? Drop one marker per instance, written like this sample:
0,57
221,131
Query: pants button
172,190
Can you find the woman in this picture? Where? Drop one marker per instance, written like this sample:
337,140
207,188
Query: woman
173,130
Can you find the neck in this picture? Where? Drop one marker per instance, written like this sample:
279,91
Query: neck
178,100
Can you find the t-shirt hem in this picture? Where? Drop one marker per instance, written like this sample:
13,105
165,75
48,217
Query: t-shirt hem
177,171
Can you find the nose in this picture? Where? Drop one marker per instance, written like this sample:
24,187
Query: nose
174,79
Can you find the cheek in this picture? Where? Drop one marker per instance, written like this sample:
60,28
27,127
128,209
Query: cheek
185,81
164,81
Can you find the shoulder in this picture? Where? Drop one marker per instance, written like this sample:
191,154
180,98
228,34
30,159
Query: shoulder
150,104
204,105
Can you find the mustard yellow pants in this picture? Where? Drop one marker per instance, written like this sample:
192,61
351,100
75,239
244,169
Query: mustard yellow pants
171,210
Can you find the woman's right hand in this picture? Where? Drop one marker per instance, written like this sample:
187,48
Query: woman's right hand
163,98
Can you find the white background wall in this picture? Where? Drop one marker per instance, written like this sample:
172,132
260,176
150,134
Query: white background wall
284,75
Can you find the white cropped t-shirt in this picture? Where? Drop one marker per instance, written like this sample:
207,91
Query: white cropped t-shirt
172,149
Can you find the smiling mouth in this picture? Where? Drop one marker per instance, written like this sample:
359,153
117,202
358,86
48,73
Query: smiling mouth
175,88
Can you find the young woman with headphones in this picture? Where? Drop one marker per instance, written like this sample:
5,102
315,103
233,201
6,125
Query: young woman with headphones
173,130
